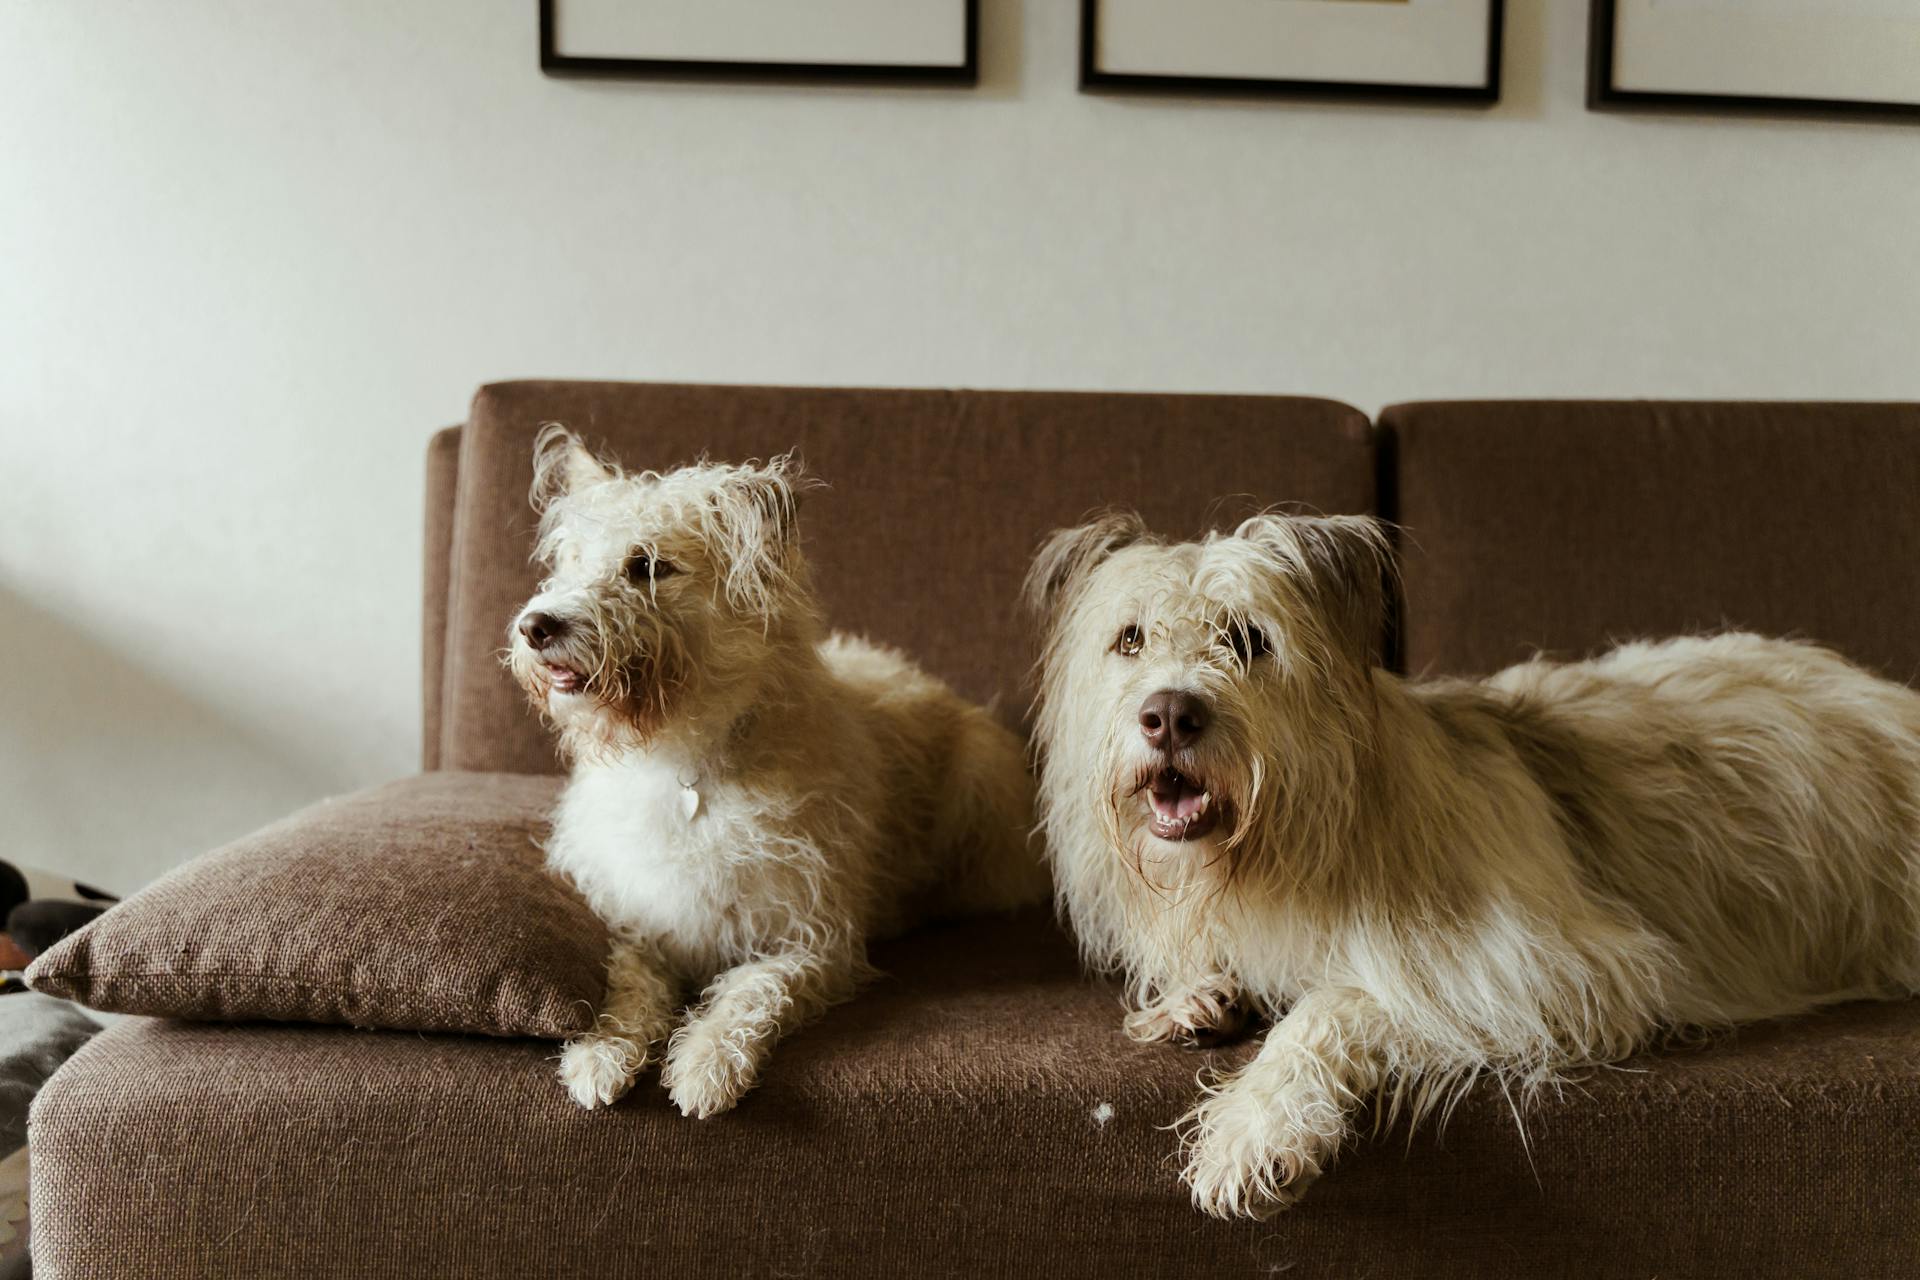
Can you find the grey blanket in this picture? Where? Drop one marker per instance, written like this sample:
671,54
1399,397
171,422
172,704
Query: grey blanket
37,1034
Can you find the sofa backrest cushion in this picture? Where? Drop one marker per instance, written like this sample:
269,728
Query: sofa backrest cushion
443,472
936,502
1566,526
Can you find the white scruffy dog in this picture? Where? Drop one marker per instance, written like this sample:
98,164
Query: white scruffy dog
1441,880
749,802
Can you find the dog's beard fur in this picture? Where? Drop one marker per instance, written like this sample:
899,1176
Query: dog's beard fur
1549,869
632,666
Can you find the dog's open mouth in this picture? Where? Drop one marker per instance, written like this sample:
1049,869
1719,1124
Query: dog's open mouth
563,679
1183,808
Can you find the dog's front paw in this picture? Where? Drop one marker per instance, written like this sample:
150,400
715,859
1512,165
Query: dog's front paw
1199,1018
705,1073
1153,1025
598,1069
1252,1157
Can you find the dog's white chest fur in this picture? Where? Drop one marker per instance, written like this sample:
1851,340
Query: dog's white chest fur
642,835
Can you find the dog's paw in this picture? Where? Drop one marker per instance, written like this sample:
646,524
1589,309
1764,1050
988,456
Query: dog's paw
1153,1025
1252,1157
1200,1018
705,1073
598,1069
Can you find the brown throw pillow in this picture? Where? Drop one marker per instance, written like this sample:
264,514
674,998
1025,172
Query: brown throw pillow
422,905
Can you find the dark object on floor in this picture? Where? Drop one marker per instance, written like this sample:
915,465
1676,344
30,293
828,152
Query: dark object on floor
13,888
35,926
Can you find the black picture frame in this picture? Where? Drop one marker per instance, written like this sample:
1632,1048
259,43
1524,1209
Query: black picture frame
1094,80
1604,95
966,74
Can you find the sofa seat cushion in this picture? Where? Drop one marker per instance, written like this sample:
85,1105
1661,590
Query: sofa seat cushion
976,1112
422,905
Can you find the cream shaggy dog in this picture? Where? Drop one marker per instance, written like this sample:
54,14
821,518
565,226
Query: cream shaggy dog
750,801
1441,880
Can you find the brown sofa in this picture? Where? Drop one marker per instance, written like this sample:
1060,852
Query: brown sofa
977,1112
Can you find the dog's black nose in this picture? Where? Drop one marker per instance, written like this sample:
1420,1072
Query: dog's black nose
542,629
1172,719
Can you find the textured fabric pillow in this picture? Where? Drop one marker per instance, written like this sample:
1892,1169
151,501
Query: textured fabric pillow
422,905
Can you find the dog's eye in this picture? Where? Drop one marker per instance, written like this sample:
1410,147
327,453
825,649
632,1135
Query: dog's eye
1130,641
642,567
1247,642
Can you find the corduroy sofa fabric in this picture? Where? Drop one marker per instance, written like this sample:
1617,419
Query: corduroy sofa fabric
936,502
420,906
1566,526
976,1113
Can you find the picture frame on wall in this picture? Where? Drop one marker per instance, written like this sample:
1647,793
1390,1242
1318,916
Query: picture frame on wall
908,42
1433,51
1767,57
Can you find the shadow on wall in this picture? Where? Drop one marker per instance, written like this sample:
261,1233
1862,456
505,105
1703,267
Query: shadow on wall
108,772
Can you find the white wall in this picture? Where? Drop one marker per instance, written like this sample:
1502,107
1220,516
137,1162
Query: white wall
251,254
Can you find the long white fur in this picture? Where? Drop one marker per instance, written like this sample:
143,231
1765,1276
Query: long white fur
1435,881
751,800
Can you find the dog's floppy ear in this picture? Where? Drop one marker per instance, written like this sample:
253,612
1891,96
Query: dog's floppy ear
754,522
1347,564
561,465
1069,555
765,498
